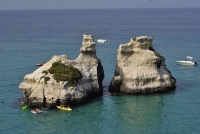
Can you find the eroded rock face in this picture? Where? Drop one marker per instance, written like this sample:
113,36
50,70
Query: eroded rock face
52,93
140,69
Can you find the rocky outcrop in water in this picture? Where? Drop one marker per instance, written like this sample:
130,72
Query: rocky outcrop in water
140,69
41,92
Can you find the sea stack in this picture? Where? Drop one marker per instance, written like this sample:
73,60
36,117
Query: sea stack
41,88
140,69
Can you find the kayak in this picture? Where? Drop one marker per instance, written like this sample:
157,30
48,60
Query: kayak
25,107
64,108
38,112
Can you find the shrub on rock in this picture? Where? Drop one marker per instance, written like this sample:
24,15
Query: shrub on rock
61,72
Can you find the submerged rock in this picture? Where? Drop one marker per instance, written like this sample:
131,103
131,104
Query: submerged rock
140,69
41,89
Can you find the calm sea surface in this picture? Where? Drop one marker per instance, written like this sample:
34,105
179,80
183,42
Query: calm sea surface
28,37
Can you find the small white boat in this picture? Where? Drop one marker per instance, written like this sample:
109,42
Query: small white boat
101,41
187,61
36,111
41,64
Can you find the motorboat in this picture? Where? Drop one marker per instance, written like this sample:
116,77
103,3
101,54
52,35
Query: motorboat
41,64
101,41
188,61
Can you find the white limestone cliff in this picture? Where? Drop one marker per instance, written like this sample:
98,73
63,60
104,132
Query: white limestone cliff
52,93
140,69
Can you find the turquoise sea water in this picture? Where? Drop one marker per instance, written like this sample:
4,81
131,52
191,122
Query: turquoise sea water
28,37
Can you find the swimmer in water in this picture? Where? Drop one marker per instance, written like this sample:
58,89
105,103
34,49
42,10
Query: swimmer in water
22,102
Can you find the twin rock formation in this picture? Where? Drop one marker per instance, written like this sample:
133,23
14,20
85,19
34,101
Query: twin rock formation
139,69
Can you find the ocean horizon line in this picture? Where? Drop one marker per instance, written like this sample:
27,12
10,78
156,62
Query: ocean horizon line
99,8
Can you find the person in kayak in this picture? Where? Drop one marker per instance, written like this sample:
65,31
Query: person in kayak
37,111
68,106
22,102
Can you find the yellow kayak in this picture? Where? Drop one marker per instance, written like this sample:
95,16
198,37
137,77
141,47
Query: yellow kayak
64,108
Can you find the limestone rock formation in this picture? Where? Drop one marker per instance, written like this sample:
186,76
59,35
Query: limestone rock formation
52,93
140,69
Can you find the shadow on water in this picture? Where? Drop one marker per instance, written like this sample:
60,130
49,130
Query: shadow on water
17,104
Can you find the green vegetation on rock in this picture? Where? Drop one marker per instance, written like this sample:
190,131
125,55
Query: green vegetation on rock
45,72
46,78
61,72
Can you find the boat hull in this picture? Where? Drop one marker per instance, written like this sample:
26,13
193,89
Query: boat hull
186,63
41,64
101,41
